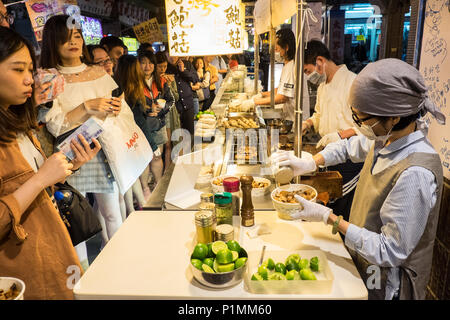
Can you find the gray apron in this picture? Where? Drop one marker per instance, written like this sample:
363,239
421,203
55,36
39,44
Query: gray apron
371,192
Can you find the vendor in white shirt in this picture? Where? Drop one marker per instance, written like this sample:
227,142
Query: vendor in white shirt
285,93
332,117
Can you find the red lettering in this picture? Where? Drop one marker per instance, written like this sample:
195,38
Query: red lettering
132,140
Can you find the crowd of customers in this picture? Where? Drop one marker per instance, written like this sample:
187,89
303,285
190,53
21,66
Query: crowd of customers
160,92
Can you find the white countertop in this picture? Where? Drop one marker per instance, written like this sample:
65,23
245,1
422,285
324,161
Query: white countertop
149,257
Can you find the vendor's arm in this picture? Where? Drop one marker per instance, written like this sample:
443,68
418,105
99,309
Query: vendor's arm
354,149
404,215
279,98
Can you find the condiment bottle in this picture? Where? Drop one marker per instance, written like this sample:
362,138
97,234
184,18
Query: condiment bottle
207,203
225,232
224,211
205,226
231,185
247,213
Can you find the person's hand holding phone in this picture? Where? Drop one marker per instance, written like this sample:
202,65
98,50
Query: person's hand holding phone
180,65
83,152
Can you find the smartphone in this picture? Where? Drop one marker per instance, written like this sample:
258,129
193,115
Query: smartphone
117,92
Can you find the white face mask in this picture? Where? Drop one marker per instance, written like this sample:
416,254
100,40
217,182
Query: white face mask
278,57
324,74
368,132
315,78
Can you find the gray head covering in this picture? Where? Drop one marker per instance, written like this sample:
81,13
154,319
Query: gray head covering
390,88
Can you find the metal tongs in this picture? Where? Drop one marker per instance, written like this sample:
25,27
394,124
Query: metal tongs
262,255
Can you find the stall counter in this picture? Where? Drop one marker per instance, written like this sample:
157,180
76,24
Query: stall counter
149,256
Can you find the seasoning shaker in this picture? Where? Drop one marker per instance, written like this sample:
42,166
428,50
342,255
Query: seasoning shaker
247,212
207,203
231,185
225,232
205,226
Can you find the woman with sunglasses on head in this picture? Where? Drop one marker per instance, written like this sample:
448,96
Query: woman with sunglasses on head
87,93
395,210
35,245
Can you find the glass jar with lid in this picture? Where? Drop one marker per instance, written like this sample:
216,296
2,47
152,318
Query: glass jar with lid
224,210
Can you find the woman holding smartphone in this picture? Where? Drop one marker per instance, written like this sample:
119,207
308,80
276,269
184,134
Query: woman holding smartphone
87,94
35,245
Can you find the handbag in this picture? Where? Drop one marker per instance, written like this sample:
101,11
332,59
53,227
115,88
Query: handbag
80,218
126,148
203,94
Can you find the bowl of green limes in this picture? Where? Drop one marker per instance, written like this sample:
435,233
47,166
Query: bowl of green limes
218,264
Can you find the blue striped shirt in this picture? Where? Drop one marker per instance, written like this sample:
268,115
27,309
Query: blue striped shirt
405,210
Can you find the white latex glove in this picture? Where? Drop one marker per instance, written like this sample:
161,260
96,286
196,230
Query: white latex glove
328,138
248,104
312,211
298,165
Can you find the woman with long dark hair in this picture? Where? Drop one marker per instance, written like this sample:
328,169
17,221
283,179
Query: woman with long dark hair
131,80
35,245
156,87
87,94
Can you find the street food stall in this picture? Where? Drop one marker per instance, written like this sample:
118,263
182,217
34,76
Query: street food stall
210,241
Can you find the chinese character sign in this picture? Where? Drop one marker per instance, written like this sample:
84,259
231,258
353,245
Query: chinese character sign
148,31
204,27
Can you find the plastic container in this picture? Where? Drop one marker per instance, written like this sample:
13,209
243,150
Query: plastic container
224,210
7,282
322,285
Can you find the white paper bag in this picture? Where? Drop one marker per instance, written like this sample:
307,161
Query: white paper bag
126,148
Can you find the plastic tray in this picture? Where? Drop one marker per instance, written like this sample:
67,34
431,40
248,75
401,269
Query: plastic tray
322,285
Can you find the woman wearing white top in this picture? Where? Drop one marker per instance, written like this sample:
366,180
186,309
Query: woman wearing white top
87,93
285,93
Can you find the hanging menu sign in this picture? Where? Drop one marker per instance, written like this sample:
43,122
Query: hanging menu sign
148,31
204,27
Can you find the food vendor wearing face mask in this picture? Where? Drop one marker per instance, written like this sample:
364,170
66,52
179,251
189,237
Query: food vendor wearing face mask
285,93
332,118
395,210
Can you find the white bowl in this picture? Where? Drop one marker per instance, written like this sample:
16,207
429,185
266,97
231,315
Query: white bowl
256,192
286,209
7,282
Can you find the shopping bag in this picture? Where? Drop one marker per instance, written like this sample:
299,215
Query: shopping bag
126,148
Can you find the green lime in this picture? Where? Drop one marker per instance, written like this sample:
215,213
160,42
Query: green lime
197,263
269,263
200,251
280,267
235,255
303,264
216,265
277,276
314,264
293,275
292,265
264,272
209,262
218,245
226,267
207,268
234,246
210,252
257,276
240,262
224,256
307,274
294,257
